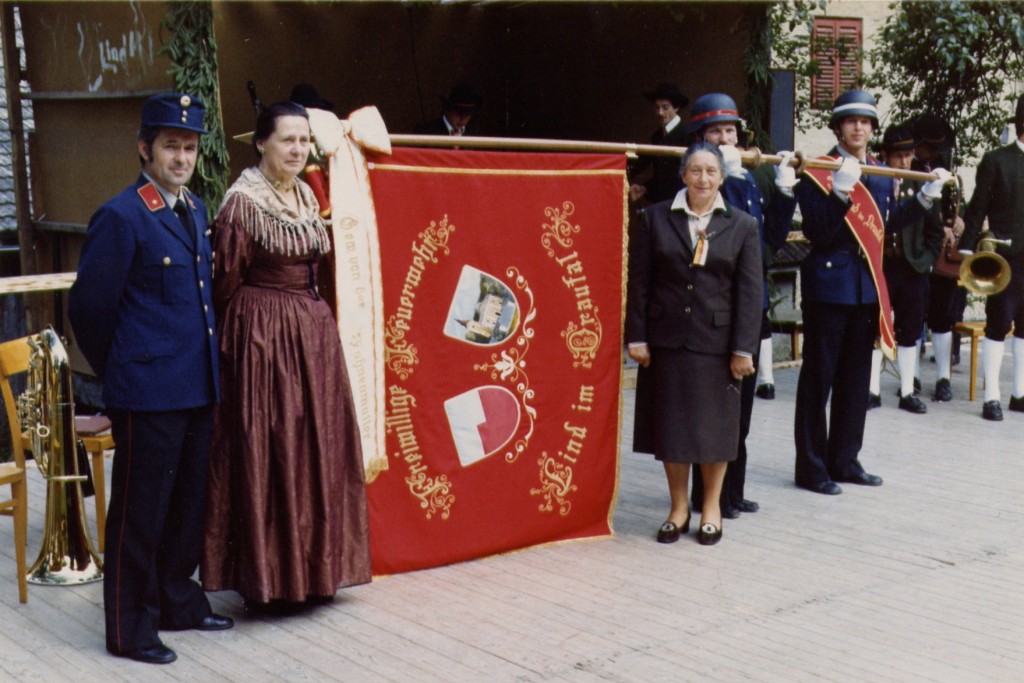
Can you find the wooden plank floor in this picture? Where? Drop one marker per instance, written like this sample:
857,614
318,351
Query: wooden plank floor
919,580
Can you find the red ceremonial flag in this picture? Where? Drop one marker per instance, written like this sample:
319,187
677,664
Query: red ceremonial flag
503,293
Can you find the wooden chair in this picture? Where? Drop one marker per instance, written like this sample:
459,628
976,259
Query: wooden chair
14,358
13,473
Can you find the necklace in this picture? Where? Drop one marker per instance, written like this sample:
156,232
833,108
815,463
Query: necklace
279,185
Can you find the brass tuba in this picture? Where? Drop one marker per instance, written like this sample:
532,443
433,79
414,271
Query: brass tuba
985,272
47,410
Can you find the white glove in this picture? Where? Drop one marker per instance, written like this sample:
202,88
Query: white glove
844,179
785,175
933,188
733,161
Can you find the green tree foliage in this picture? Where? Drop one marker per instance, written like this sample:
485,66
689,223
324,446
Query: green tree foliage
956,59
792,23
193,55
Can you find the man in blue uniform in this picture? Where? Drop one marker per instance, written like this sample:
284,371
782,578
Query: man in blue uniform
142,313
843,217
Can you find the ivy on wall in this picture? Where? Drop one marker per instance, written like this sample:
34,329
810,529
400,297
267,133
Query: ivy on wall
757,60
193,54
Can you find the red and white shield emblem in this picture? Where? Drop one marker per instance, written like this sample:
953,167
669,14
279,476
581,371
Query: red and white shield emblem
482,420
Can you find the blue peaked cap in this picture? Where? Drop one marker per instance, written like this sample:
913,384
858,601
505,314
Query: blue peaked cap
174,110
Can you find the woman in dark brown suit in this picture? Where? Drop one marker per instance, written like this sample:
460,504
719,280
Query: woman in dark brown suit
692,323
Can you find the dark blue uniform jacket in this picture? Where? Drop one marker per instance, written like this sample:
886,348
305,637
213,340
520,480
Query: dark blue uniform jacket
141,307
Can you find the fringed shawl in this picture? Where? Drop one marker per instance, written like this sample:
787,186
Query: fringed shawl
272,223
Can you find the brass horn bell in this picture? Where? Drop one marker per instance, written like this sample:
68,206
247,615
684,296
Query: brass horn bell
985,272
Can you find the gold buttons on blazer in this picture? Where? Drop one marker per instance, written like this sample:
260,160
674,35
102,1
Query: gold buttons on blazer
167,260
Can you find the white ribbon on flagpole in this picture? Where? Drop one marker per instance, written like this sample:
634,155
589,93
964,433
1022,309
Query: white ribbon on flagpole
357,269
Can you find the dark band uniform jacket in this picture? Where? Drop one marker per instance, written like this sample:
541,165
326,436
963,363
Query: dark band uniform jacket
920,242
834,271
149,302
437,127
710,311
999,196
909,257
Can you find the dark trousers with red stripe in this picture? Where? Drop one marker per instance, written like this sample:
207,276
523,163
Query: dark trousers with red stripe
155,525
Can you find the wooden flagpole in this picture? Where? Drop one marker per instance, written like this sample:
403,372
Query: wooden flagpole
751,157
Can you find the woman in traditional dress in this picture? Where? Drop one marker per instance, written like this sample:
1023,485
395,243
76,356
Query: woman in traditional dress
693,318
287,519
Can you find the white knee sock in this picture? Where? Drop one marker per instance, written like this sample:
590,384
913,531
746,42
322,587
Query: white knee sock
1018,367
993,359
764,363
942,345
906,359
876,373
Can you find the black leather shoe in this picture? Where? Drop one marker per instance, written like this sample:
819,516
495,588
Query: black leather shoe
730,512
863,478
992,411
874,401
1016,404
765,391
709,534
747,506
943,392
912,404
157,654
828,487
214,622
669,532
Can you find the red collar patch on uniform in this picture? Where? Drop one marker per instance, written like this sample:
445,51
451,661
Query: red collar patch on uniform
151,196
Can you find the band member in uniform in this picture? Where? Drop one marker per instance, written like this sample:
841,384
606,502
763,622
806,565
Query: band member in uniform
998,196
692,318
664,182
947,299
715,119
142,313
909,257
840,302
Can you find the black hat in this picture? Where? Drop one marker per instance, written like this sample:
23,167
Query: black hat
668,91
306,95
898,139
174,110
463,99
932,130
